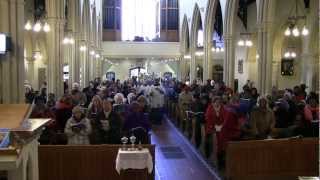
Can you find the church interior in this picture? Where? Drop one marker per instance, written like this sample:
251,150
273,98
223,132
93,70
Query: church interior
159,89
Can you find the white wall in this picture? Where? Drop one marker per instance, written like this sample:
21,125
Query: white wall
140,49
121,67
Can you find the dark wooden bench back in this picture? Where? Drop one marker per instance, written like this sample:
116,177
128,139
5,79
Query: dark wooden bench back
272,159
94,162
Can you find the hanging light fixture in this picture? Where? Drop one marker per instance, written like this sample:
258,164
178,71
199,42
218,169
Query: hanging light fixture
37,27
68,40
293,21
83,48
245,40
217,46
187,56
199,53
46,27
305,31
65,40
290,54
240,42
92,53
28,26
37,55
287,32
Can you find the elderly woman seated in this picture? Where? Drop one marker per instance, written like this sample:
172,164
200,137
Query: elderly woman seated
78,127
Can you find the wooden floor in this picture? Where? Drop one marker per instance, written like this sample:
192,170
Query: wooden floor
176,159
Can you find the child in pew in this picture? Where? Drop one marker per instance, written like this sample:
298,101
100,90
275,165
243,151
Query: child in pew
78,127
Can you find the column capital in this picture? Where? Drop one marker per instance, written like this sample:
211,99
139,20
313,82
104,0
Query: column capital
265,25
229,37
29,59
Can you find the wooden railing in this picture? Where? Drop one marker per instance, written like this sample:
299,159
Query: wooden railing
94,162
272,159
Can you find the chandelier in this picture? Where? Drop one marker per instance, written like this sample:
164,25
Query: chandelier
37,27
39,21
68,40
217,46
290,53
292,24
245,40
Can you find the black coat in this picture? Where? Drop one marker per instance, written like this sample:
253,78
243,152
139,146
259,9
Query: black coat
113,135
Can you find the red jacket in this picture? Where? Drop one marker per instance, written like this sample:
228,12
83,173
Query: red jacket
211,119
231,129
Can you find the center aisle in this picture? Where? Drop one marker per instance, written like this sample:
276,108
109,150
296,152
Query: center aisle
175,158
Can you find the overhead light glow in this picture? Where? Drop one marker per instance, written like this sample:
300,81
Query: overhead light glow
37,27
28,26
199,53
248,43
187,57
305,31
65,40
287,32
240,43
83,48
296,32
46,27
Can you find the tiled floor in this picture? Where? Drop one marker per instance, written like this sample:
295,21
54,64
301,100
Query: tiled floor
175,158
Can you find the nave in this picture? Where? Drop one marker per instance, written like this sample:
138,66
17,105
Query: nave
176,158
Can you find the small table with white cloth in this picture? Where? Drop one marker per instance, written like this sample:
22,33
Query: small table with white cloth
134,159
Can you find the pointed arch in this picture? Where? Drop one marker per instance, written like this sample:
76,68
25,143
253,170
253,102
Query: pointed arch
196,18
210,20
185,38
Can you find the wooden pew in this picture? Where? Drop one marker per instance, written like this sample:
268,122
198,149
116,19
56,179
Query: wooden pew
94,162
272,159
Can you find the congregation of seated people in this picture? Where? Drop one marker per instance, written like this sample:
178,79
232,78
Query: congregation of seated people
106,110
99,113
222,115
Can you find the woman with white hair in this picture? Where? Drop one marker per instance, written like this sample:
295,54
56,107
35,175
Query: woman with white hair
119,98
78,127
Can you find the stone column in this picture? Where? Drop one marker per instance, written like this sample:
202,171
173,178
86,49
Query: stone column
181,68
12,64
76,19
207,64
55,10
30,73
85,37
229,61
193,64
264,83
276,65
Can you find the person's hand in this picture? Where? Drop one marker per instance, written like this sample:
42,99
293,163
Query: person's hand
218,128
81,126
76,129
105,125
